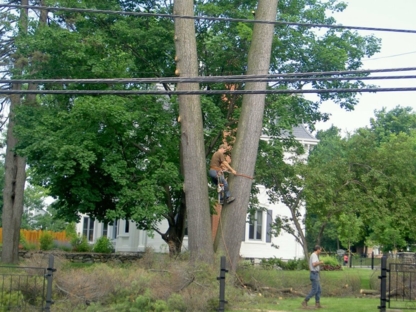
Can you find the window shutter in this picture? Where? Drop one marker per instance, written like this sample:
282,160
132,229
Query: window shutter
268,226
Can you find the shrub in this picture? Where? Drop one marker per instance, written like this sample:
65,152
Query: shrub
27,245
46,241
330,263
103,245
176,303
273,263
297,264
71,231
80,244
10,300
329,260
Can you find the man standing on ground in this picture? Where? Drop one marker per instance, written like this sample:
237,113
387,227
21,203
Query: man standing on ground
218,162
314,264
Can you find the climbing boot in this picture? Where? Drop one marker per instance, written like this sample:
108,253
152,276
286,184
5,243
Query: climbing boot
230,200
318,305
304,303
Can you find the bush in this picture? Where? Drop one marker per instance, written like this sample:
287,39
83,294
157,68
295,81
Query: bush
46,241
103,245
291,265
330,264
80,244
297,264
328,260
71,231
273,263
27,245
176,303
10,300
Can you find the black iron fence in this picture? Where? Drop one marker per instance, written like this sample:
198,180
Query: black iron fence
371,261
26,288
398,283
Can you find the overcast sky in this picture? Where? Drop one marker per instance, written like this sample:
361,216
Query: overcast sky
398,50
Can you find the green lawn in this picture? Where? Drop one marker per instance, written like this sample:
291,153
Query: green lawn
329,304
340,290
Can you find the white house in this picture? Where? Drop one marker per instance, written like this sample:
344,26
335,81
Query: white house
257,242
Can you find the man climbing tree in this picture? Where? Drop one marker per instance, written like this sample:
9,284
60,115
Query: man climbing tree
216,171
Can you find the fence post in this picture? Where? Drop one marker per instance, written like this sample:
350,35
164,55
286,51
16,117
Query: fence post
372,260
223,270
49,278
383,284
350,261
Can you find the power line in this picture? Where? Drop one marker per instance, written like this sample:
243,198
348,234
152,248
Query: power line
236,78
389,56
205,92
200,79
209,18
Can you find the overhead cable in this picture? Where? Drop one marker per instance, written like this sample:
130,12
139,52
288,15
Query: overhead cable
201,79
210,18
205,92
310,76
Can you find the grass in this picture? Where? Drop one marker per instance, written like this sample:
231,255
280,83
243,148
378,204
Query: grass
329,304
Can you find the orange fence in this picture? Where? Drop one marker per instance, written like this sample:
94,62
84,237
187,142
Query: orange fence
34,235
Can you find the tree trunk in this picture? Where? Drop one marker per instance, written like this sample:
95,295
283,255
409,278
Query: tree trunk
301,236
321,233
192,140
14,184
15,168
176,231
233,221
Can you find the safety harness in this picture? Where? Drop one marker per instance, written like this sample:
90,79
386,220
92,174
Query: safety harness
220,186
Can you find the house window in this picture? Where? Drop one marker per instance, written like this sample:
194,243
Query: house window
115,229
126,226
256,226
88,228
105,229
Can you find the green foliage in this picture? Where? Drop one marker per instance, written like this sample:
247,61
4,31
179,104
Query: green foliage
103,245
274,262
71,230
297,264
11,300
80,244
176,303
142,303
360,187
46,241
290,265
27,245
329,260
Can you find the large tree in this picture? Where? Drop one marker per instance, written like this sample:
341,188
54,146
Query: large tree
248,135
192,139
106,45
15,164
363,184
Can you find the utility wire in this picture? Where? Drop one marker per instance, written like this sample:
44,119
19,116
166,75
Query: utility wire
209,18
174,80
388,56
289,77
207,92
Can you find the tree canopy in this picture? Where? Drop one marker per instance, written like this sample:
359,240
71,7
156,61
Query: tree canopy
363,184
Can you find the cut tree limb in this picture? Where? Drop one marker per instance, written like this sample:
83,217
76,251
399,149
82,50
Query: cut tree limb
369,292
